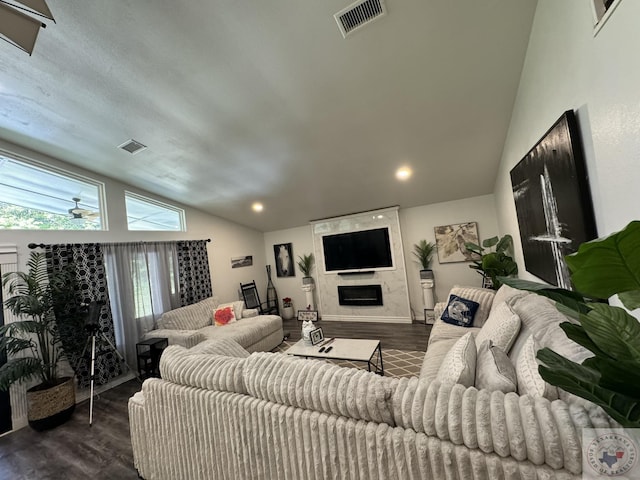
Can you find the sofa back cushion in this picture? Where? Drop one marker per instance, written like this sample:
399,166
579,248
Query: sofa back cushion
314,385
482,296
191,317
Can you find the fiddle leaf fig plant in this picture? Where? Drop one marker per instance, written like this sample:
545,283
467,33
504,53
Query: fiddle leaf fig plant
611,377
497,263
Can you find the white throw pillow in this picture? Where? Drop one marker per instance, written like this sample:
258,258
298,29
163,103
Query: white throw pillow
529,380
494,370
459,365
501,327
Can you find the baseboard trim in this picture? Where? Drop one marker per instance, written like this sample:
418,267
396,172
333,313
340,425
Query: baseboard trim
368,319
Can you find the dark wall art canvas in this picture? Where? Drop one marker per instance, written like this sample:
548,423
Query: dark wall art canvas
553,202
284,260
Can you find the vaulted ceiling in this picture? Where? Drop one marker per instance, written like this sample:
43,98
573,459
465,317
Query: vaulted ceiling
244,101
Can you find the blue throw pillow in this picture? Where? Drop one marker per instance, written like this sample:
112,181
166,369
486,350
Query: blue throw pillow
460,311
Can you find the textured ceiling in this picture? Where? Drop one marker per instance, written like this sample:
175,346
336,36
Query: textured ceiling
243,101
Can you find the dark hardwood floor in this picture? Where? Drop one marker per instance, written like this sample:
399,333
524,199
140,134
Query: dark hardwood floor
401,336
75,451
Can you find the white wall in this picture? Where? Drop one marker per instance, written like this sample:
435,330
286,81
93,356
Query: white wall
568,68
227,238
417,223
302,240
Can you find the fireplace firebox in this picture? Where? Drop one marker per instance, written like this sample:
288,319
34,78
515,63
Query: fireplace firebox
360,295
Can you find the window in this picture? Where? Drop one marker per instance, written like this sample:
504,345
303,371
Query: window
602,10
38,197
146,214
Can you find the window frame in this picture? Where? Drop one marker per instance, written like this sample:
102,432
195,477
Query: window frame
62,172
157,203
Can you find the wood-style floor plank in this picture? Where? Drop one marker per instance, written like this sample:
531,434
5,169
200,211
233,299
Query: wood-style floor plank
75,451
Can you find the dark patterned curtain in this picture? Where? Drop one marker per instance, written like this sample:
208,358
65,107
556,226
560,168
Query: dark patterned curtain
90,285
193,271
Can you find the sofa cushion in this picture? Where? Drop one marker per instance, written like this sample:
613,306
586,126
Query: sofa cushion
238,307
224,315
245,331
460,311
505,293
529,380
191,317
445,331
494,370
222,346
501,327
541,318
459,365
483,296
435,355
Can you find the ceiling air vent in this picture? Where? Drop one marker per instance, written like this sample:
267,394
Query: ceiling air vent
132,146
358,15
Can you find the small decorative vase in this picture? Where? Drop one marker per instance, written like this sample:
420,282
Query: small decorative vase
307,327
287,313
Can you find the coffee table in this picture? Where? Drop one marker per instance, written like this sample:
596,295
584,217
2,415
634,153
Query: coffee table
350,349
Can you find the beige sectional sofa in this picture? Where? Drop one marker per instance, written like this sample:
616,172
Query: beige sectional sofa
220,412
190,325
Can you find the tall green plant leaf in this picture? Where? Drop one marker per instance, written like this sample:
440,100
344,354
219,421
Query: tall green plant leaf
20,369
616,375
605,267
582,381
613,330
578,334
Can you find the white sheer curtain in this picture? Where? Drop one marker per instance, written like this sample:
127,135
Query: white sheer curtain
143,284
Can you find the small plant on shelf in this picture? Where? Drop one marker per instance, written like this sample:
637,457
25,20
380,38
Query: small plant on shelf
305,264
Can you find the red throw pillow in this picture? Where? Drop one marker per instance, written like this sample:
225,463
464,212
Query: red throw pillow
224,316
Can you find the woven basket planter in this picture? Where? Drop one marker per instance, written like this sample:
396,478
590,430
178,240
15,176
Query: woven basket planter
49,407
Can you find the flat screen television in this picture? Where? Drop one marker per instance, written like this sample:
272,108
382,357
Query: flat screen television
357,251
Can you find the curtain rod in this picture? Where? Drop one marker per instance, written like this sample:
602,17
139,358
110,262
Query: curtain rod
42,245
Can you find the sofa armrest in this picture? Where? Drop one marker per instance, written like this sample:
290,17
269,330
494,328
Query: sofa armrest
438,309
184,338
249,312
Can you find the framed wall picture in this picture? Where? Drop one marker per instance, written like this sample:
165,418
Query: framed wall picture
284,260
316,336
307,315
553,201
244,261
450,240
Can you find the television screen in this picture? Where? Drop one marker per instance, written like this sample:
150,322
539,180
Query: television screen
362,250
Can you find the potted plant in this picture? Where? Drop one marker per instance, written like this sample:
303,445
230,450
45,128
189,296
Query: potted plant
611,378
423,251
305,264
33,297
496,263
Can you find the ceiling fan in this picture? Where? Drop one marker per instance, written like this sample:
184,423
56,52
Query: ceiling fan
78,213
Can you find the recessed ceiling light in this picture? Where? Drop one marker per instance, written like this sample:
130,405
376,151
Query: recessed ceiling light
403,173
257,207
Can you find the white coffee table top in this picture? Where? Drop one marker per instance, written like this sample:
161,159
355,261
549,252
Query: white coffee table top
343,349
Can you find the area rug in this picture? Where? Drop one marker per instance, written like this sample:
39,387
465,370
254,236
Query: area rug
397,363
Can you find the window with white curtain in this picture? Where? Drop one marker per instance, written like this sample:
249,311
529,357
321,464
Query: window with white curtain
143,284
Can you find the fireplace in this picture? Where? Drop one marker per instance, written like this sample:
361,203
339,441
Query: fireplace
360,295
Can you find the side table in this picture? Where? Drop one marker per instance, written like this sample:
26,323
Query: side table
148,353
